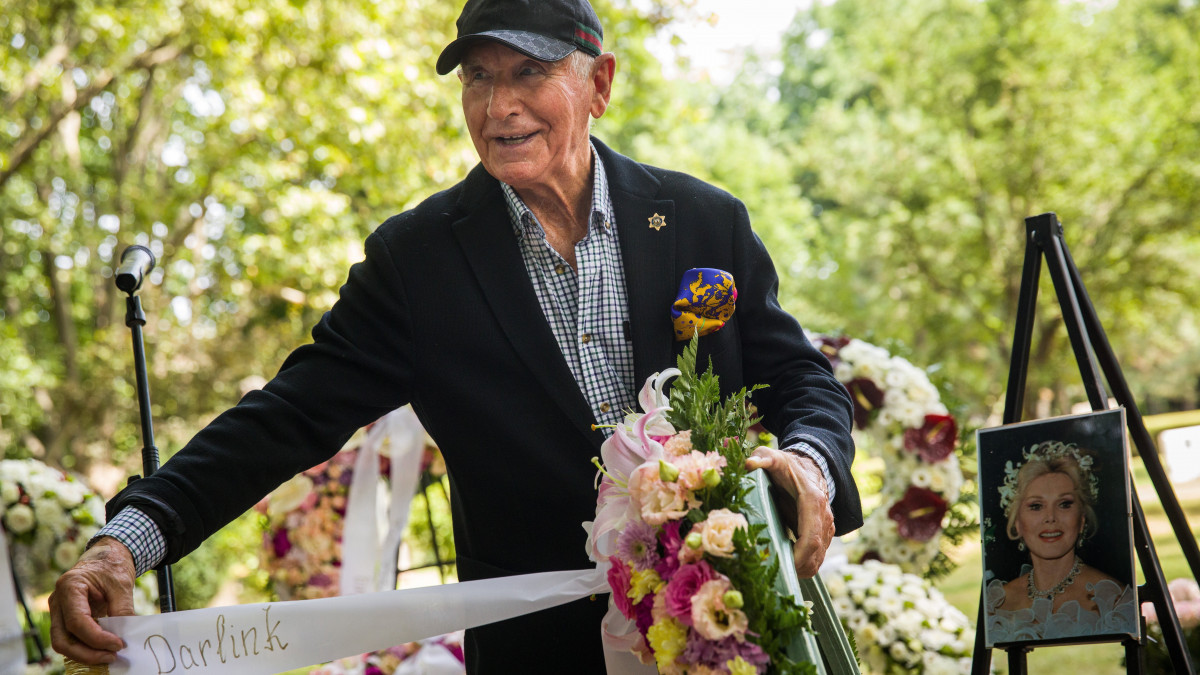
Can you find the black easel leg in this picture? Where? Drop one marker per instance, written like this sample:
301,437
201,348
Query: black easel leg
1137,426
1017,664
1156,585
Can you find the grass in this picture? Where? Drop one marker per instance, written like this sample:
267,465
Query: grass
962,586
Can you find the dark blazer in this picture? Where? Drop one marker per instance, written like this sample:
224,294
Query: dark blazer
441,314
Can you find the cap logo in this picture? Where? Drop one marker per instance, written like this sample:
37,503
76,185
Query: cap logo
587,39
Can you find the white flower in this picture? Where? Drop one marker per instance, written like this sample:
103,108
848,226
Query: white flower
65,555
899,651
288,496
922,477
9,492
19,519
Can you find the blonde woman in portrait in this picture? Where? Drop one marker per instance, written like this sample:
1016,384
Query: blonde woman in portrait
1048,503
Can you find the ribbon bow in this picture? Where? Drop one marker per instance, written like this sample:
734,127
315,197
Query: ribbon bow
706,300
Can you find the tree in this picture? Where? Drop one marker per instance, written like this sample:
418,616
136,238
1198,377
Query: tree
926,132
252,146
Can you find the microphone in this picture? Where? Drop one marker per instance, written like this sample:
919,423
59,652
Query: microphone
136,263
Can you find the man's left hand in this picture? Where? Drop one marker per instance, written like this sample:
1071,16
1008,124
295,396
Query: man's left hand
803,481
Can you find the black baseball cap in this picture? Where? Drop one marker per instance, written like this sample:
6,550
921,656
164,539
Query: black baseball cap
546,30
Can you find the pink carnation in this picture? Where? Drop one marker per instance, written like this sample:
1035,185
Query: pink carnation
656,501
619,576
678,445
680,589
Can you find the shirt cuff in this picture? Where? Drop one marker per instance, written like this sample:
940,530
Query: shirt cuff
802,448
139,534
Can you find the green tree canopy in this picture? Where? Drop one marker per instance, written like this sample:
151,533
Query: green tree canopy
925,132
252,146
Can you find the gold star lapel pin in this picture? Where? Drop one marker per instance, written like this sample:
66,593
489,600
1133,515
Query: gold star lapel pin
657,222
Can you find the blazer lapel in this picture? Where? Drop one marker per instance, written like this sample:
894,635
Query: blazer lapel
651,279
487,240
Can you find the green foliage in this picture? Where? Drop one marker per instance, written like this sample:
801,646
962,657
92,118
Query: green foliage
431,507
252,146
924,133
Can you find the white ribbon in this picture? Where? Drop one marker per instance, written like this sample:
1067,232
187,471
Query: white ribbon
369,564
273,637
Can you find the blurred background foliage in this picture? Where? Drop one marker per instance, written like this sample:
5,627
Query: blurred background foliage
888,158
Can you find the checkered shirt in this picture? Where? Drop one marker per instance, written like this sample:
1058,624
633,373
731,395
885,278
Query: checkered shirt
585,306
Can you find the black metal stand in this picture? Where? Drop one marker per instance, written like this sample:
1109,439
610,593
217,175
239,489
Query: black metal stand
1090,344
135,318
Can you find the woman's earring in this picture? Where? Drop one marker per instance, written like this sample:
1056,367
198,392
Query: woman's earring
1021,545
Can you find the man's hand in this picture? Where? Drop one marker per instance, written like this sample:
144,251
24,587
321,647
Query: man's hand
803,481
100,584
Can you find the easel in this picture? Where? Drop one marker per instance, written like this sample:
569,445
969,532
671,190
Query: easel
1090,344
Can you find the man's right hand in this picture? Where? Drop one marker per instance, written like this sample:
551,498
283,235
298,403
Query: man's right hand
99,585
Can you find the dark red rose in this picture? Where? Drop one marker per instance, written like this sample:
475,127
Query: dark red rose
935,440
919,514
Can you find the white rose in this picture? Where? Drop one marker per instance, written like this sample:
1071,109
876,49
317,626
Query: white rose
289,495
50,515
65,555
70,495
19,519
899,651
9,492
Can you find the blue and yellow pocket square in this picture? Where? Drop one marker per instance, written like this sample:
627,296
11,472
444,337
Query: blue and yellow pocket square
706,300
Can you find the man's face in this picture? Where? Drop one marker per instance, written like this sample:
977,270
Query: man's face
528,118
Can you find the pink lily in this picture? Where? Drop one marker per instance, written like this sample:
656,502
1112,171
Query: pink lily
637,440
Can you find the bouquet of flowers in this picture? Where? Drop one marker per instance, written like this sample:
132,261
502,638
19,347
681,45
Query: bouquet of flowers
900,623
442,655
693,580
48,517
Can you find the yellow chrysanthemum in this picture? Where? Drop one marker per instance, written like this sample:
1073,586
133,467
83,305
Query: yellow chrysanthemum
643,583
738,666
668,638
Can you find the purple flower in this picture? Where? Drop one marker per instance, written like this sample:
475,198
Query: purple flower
668,564
281,543
644,613
715,653
638,544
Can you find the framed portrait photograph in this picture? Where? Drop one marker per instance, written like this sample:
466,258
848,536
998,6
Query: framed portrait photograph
1056,519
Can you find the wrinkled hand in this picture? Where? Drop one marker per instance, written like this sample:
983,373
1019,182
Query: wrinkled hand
802,480
100,584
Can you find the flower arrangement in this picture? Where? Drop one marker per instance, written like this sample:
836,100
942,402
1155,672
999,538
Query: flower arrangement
48,517
442,655
303,530
900,623
901,411
691,577
1185,595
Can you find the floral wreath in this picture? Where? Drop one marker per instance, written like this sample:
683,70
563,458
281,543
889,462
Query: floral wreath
48,516
901,412
1049,451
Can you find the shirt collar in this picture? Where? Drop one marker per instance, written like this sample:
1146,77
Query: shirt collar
601,216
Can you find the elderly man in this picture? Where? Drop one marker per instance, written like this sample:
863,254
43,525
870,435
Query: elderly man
514,311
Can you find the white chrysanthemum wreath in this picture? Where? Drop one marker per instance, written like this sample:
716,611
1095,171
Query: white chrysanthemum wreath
901,412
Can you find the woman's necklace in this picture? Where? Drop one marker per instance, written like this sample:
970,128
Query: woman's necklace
1061,586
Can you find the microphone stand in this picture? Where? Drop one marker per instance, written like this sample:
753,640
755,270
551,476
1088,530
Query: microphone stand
135,318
